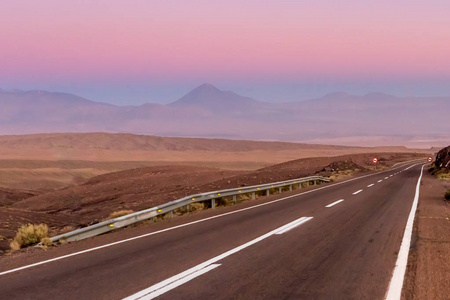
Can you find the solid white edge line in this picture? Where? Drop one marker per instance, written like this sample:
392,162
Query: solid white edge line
182,225
208,262
357,192
396,284
294,225
177,283
334,203
371,185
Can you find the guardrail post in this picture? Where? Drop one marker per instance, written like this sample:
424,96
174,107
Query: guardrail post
280,190
234,199
268,193
213,203
290,187
307,183
253,195
171,214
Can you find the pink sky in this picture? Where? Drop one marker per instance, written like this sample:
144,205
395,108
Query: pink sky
51,42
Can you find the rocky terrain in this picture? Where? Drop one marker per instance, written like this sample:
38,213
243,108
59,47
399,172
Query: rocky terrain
443,159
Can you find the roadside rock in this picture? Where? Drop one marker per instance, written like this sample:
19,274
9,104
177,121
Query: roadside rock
341,166
443,158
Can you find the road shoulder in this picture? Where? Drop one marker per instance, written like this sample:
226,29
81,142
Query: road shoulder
428,271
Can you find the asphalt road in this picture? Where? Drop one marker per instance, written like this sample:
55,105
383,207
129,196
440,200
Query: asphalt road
288,248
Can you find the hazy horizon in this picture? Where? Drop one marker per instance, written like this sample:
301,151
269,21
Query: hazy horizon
177,97
114,52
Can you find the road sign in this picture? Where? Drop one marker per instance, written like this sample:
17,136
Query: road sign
375,160
430,159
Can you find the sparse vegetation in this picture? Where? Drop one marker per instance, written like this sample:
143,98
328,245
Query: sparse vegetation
447,195
120,213
46,242
445,175
196,206
28,235
244,197
442,174
191,208
223,202
342,174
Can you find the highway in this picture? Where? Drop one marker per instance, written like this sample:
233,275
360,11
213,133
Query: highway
338,241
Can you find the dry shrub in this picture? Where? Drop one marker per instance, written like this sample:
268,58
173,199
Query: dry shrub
28,235
223,202
244,197
196,206
120,213
447,195
180,211
46,242
14,245
443,175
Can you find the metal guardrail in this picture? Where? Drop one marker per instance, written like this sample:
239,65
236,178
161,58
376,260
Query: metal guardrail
169,207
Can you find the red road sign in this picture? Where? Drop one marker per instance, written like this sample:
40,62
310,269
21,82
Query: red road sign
375,160
430,159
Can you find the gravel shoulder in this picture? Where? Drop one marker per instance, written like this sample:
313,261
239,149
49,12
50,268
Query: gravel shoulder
428,272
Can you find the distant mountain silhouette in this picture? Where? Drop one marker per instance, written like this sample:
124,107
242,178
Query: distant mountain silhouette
209,97
206,111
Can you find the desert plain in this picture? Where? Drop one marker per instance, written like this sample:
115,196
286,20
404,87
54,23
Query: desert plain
70,180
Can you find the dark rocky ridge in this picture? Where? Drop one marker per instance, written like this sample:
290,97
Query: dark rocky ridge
443,158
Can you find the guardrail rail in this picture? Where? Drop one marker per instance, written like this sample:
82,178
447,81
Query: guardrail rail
169,207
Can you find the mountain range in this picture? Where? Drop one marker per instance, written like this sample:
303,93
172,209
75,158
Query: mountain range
339,118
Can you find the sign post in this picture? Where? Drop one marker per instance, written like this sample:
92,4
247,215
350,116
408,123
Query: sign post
375,161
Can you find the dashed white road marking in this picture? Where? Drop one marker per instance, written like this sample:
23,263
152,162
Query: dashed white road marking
386,177
294,224
177,280
357,192
334,203
173,282
370,185
380,180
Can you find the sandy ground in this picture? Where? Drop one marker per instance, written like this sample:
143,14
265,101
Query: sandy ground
428,273
137,189
51,161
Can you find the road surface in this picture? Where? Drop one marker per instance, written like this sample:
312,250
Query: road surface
338,241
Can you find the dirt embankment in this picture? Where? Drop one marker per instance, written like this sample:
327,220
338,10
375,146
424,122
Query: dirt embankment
428,272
